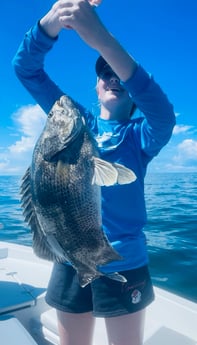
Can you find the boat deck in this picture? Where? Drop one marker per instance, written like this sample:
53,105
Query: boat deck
23,280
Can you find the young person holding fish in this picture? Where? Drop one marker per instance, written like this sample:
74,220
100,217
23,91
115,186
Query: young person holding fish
122,85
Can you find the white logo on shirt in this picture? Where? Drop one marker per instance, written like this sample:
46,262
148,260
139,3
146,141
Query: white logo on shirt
136,296
108,140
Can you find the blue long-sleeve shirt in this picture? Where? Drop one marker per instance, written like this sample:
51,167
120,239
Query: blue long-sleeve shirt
132,143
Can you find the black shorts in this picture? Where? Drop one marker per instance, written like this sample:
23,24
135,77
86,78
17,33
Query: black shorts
104,297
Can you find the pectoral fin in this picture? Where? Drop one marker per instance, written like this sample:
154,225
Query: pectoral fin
104,173
108,174
125,175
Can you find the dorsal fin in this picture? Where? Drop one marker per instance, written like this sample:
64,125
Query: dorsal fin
41,246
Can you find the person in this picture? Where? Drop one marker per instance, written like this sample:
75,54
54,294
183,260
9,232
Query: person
122,85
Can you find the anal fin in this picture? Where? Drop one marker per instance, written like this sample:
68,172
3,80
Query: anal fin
56,248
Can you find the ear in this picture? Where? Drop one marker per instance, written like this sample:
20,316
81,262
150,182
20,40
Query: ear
97,90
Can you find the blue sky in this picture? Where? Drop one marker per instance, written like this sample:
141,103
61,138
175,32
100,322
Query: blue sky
160,34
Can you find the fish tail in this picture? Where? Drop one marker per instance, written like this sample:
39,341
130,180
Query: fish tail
87,276
116,276
109,254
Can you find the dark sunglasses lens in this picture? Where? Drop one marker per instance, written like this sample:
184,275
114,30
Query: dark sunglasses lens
106,75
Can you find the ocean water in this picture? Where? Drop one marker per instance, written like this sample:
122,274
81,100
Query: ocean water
171,231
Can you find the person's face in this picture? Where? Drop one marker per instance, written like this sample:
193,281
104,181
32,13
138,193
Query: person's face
110,91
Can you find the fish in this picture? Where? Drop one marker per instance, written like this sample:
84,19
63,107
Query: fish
61,194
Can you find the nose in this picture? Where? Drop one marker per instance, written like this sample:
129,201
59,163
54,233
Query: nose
114,79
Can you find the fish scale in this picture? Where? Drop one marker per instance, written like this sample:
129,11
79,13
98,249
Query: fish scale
61,194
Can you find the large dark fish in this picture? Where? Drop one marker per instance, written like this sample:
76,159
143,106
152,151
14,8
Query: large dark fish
61,193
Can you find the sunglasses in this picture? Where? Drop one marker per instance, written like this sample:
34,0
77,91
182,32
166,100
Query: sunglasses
108,74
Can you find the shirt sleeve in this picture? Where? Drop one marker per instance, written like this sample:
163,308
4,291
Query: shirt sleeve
159,118
29,67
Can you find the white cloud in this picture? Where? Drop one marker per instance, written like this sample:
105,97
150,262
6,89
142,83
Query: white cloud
178,168
23,145
30,120
187,150
176,157
185,157
180,129
28,124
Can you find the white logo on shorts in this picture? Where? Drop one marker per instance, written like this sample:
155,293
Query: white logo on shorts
136,296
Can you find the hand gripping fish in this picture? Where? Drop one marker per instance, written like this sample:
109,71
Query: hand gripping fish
93,3
61,194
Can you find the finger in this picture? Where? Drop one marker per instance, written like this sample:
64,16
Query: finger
64,19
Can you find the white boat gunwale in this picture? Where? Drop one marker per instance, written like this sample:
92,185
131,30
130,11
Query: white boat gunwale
170,319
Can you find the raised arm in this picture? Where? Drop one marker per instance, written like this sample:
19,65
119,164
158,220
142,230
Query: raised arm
82,17
29,67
